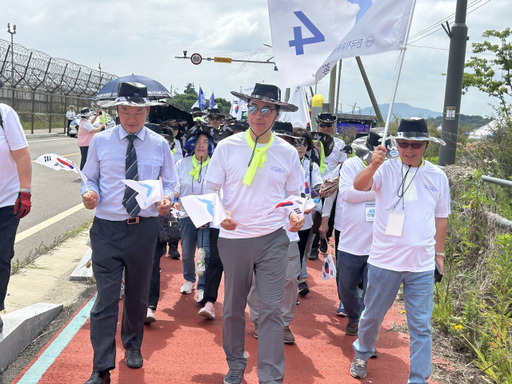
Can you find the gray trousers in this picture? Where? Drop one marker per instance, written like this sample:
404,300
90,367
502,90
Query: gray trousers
289,304
266,258
117,245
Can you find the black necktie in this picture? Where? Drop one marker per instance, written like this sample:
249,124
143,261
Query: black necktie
131,173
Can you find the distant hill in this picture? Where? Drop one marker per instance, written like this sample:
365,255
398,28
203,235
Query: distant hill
403,110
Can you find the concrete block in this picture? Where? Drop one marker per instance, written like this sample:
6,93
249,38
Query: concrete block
81,273
21,327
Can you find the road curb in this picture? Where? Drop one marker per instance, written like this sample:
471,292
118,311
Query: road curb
21,327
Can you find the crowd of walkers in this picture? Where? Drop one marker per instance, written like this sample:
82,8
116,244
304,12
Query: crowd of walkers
383,205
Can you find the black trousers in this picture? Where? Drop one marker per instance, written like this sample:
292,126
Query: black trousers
83,159
8,227
154,289
117,245
214,270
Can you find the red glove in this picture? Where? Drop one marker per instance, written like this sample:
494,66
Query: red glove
22,205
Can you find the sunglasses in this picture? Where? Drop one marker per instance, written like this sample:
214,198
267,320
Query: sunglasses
403,145
299,142
214,117
264,111
294,140
324,125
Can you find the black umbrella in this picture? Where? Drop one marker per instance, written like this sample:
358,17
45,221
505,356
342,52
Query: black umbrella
155,89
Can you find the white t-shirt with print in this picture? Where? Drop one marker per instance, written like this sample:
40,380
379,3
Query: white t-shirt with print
336,157
353,217
12,138
426,197
253,207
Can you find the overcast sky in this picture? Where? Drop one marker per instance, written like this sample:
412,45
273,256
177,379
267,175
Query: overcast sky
143,37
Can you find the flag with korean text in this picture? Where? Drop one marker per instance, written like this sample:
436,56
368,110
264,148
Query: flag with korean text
56,162
328,268
309,37
148,191
204,208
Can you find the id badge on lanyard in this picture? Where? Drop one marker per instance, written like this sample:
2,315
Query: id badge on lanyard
395,224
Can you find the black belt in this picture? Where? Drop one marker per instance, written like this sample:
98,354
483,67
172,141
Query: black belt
130,220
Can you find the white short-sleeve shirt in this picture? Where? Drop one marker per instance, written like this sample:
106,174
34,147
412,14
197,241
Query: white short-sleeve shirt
427,197
336,157
253,207
352,211
12,138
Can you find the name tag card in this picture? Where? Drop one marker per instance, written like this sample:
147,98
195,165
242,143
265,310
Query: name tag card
370,211
395,224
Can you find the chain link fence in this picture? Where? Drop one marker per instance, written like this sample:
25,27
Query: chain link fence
40,87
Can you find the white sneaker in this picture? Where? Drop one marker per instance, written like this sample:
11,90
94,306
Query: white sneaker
150,317
200,295
187,288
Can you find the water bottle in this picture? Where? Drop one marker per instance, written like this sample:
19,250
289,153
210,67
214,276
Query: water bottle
200,266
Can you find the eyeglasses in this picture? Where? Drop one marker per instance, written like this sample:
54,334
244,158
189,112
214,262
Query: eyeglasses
403,145
325,125
264,111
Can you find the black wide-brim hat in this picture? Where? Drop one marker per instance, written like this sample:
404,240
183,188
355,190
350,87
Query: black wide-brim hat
415,128
268,93
215,111
283,128
326,140
131,94
325,118
365,145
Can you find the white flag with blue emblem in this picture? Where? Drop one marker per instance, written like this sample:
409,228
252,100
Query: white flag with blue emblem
149,191
203,209
308,37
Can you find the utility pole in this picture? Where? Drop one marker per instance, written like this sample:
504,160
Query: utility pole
332,88
13,32
458,35
370,92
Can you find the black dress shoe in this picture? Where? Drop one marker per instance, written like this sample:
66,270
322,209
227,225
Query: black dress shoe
133,358
102,377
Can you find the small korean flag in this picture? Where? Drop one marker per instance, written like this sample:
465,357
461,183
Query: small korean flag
329,268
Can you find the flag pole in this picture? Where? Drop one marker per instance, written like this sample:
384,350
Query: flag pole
400,63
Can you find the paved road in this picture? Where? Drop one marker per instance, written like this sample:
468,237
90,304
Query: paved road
56,200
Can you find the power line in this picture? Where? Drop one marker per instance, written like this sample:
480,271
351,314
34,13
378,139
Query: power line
472,7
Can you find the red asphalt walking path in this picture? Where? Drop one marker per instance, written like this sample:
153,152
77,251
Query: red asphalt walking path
181,347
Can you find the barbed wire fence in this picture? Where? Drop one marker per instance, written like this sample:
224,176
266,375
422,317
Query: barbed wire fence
40,87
